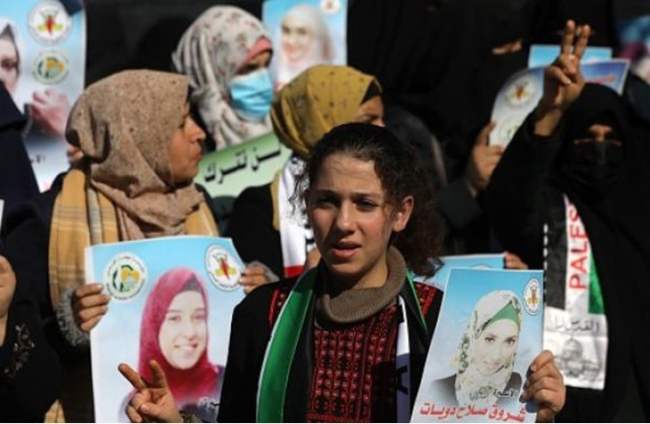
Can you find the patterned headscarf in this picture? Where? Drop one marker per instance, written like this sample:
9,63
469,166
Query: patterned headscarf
123,124
217,45
472,387
316,101
190,385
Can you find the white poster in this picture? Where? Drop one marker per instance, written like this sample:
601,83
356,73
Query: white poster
172,300
43,56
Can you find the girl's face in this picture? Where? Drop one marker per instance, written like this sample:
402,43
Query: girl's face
184,331
496,346
8,64
297,37
352,220
185,151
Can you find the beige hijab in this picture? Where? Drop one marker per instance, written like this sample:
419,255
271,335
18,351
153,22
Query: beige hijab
123,125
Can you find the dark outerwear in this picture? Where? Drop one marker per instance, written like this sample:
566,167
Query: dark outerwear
30,374
251,228
17,181
528,180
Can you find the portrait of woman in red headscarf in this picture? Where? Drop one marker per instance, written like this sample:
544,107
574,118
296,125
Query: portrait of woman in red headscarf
174,332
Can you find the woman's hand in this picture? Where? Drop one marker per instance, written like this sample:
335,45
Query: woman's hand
50,109
563,80
152,401
545,386
482,162
512,261
256,274
89,305
7,290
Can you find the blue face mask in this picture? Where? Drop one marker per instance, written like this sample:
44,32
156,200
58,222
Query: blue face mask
252,94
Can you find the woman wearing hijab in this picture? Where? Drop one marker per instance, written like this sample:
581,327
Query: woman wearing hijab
225,54
174,332
487,353
570,195
141,152
304,42
347,340
264,224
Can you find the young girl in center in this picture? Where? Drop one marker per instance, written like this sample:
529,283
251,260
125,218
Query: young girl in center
347,340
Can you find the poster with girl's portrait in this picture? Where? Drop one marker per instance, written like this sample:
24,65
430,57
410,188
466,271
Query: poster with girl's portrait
305,33
488,333
43,59
172,300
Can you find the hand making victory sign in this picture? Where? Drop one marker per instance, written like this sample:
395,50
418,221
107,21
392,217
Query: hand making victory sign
563,80
152,401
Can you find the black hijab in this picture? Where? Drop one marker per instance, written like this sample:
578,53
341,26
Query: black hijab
17,182
392,41
466,75
618,225
551,16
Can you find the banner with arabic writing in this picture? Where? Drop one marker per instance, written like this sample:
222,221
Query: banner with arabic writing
227,172
488,333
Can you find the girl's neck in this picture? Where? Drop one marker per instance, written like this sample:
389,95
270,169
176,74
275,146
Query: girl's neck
373,278
340,305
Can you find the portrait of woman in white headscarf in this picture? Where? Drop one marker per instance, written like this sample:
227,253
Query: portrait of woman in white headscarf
305,41
486,354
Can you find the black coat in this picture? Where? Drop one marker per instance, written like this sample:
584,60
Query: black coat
528,180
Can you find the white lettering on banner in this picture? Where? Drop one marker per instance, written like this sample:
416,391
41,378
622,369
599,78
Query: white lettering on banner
578,267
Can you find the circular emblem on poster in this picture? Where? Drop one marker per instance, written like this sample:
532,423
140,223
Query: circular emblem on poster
522,91
49,22
223,269
50,67
125,276
330,6
532,296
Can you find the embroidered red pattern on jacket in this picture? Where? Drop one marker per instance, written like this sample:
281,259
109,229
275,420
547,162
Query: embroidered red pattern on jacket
354,366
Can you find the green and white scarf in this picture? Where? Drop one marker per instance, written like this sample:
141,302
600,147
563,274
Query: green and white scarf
282,346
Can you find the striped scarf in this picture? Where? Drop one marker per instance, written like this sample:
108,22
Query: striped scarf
82,217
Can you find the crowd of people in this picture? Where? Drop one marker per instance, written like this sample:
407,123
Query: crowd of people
390,169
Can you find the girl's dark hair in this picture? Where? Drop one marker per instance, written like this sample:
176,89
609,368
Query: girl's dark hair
401,174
